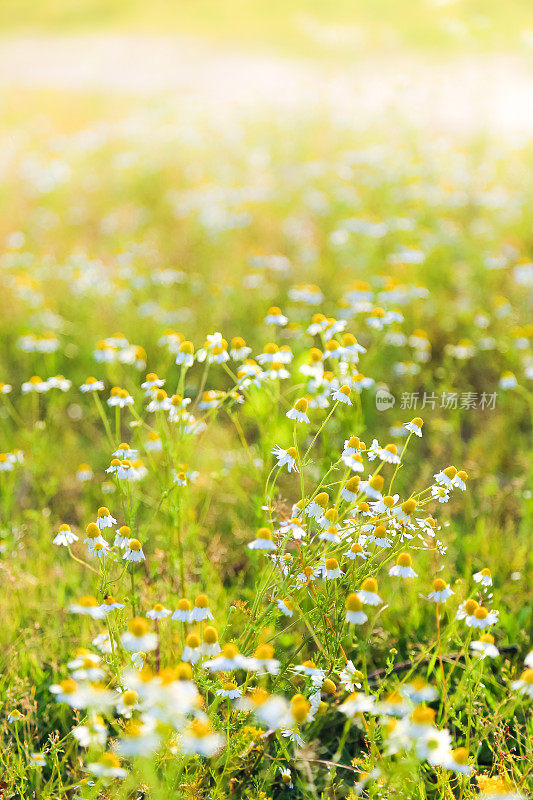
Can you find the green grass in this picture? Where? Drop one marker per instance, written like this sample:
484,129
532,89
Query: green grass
109,194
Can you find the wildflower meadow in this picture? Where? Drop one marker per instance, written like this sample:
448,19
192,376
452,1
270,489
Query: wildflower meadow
265,460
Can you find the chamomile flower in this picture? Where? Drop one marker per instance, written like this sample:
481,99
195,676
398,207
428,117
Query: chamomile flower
127,702
481,618
331,570
459,481
228,659
373,486
110,603
87,606
294,527
183,611
35,384
524,685
434,747
415,426
310,670
84,473
65,536
459,761
92,734
201,610
229,691
210,645
351,348
153,443
403,567
342,395
92,385
317,505
185,354
528,661
379,537
152,382
441,591
354,610
445,477
86,662
285,606
466,608
298,411
286,777
104,518
59,382
418,691
406,511
6,464
350,677
107,766
138,739
387,505
485,647
138,637
198,738
508,381
262,541
158,612
357,703
69,692
263,660
275,317
160,401
134,551
210,399
357,551
119,397
239,351
483,577
330,535
308,575
192,652
350,489
394,705
15,716
122,537
286,457
368,594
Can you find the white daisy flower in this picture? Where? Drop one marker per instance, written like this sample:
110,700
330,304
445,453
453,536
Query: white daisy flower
441,591
158,612
138,637
201,610
229,690
485,647
484,577
108,766
403,567
415,426
134,551
357,703
285,606
229,659
286,457
65,536
298,412
104,518
368,594
262,541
